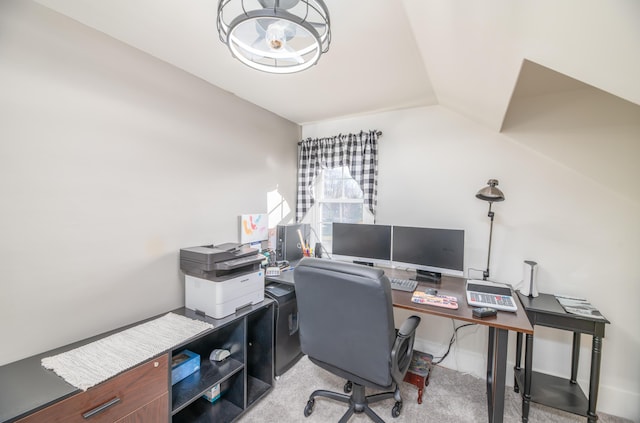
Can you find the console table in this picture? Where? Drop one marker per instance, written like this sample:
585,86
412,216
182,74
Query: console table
553,391
31,393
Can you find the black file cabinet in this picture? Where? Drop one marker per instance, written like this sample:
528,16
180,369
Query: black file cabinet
286,340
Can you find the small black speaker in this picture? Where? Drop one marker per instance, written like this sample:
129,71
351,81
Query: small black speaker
317,251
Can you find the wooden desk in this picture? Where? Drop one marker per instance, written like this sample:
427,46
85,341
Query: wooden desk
499,327
556,392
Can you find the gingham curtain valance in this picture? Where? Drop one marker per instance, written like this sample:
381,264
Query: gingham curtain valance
358,152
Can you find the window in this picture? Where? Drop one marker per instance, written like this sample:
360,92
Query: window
338,198
327,192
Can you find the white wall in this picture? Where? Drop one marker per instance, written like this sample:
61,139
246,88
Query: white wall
110,162
584,236
473,50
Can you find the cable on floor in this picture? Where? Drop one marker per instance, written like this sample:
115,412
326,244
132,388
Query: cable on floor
451,342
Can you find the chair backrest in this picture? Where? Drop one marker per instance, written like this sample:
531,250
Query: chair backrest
345,314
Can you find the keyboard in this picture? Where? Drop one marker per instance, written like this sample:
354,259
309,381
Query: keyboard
408,285
490,294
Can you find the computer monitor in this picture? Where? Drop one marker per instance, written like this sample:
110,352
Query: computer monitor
430,251
362,243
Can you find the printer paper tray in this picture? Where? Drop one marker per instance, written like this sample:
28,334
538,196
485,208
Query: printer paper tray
239,262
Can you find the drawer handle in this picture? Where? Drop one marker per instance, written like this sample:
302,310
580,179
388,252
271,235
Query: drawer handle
101,408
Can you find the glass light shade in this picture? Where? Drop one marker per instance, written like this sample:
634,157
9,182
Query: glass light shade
491,192
276,36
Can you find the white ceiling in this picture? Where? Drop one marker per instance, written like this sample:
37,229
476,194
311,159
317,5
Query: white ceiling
391,54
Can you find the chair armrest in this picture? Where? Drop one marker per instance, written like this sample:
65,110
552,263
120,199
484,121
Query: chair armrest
403,348
409,326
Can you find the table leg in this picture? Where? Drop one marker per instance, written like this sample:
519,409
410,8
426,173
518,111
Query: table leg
575,358
594,382
528,371
496,373
517,367
490,352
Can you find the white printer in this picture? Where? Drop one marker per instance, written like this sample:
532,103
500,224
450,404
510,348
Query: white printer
222,279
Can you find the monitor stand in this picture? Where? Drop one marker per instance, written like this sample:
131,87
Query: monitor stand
427,276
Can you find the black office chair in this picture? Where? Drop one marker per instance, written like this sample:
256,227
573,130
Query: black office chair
346,326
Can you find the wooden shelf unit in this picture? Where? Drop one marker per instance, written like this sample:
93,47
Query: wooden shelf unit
30,393
244,377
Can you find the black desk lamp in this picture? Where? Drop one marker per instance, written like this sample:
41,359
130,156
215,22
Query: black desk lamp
490,193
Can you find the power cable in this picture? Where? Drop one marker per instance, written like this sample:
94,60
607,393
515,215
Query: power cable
451,342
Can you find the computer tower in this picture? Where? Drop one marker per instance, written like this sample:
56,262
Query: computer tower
288,241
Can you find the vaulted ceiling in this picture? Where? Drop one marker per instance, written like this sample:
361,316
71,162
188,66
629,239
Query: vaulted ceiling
391,54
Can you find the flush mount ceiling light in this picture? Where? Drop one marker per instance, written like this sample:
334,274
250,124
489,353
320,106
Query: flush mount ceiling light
276,36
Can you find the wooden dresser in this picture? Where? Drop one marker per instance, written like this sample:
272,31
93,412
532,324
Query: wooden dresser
139,394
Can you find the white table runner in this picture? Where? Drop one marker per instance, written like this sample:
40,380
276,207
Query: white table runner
90,364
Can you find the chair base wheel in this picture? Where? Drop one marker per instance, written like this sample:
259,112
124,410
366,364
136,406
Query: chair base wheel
395,411
348,387
308,409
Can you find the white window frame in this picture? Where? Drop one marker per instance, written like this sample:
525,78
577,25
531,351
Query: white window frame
314,216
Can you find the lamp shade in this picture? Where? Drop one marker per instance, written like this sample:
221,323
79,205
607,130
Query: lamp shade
491,192
275,36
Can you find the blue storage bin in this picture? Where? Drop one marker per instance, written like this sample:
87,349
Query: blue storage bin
183,364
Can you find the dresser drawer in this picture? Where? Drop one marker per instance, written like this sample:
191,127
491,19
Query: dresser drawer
111,400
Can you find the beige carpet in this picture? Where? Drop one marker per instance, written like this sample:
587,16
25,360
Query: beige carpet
451,397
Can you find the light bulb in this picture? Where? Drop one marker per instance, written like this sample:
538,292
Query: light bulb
275,37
